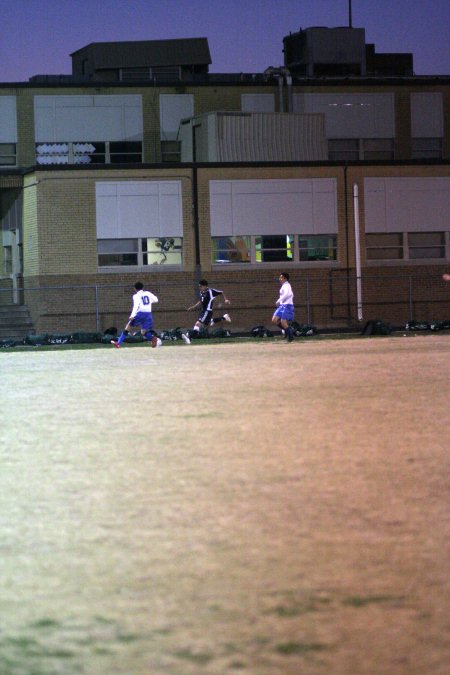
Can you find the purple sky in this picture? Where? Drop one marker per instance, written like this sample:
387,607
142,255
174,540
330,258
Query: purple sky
37,36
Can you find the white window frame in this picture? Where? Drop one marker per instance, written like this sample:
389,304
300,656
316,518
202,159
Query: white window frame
140,254
406,246
4,154
285,207
254,252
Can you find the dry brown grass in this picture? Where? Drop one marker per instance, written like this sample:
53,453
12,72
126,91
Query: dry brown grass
256,508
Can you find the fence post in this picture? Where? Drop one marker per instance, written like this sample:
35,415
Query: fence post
411,318
97,313
308,303
359,302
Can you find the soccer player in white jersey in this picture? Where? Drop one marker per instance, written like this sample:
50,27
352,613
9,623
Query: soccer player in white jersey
205,319
141,316
284,314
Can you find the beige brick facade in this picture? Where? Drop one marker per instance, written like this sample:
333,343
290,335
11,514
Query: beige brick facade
60,256
66,290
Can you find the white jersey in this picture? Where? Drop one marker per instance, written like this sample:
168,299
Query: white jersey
142,302
286,294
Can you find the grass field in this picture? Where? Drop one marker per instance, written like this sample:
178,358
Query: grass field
245,507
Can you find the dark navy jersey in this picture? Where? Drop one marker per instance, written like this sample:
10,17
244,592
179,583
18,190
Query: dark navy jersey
207,298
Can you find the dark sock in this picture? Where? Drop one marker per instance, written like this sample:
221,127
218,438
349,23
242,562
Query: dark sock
122,336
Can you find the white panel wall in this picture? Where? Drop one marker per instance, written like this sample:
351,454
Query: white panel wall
130,209
407,204
270,137
8,119
273,207
362,115
427,115
257,103
88,118
172,109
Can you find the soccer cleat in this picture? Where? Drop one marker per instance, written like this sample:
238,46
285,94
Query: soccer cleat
227,317
154,341
115,344
186,338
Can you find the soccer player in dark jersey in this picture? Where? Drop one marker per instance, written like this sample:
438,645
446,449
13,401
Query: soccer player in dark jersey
205,318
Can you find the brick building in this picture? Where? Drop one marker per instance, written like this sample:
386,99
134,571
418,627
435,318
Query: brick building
105,177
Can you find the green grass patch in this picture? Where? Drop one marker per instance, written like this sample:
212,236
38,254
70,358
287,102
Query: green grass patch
45,623
363,601
289,648
200,658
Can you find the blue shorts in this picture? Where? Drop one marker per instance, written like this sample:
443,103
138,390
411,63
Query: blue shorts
285,312
143,319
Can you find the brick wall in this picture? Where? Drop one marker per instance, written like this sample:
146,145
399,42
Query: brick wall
61,252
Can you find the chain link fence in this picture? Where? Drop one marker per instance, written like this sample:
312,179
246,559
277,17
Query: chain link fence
328,301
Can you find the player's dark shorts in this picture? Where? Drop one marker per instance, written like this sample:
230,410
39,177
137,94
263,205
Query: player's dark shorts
285,312
205,317
143,319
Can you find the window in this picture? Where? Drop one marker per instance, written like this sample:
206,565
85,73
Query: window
109,152
231,249
7,154
426,148
423,245
165,73
134,74
405,246
351,149
384,246
317,247
273,221
7,259
123,152
157,73
274,248
113,252
172,109
162,251
139,252
345,149
170,151
377,148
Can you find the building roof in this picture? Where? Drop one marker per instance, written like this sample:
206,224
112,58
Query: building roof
185,51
